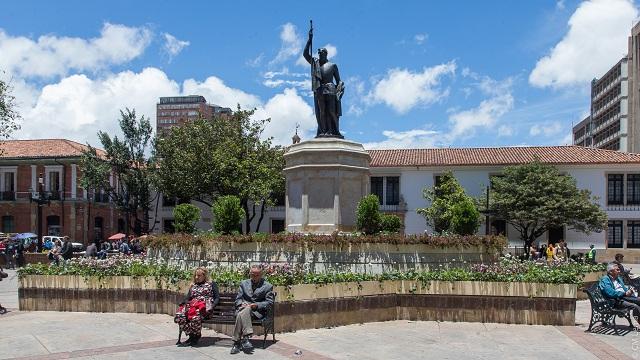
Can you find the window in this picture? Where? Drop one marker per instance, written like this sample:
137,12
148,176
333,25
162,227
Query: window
387,189
498,227
377,187
614,189
53,225
98,229
168,201
8,225
614,234
8,187
633,234
277,226
167,226
633,189
393,190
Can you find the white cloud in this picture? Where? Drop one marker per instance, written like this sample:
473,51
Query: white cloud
402,89
596,40
52,56
291,44
488,112
420,38
418,138
255,62
77,107
286,110
173,46
505,131
545,129
217,92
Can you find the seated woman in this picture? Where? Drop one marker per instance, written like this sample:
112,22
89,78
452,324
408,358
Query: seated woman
202,297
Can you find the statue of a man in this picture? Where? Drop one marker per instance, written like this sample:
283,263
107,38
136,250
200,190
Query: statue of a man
326,93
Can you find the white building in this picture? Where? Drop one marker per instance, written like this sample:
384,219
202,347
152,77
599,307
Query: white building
399,176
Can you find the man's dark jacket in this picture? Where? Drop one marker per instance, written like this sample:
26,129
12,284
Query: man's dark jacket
67,250
262,295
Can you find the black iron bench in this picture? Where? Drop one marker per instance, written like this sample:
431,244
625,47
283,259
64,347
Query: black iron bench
224,313
603,311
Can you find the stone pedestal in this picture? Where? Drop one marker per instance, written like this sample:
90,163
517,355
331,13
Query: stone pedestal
326,178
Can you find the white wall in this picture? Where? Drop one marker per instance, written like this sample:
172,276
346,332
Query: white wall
475,180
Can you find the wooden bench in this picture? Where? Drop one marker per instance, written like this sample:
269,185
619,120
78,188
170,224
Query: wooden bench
224,313
602,311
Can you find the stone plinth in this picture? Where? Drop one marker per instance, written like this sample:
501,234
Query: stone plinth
326,178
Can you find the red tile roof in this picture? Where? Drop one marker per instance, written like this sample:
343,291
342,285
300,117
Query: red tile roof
42,148
557,155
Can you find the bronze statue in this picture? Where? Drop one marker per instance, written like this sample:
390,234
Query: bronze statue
326,94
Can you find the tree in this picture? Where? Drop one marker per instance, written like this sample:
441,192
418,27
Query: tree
390,223
9,117
368,214
130,188
208,158
535,197
185,217
451,210
227,214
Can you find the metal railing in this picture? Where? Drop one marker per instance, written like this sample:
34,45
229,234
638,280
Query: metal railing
623,207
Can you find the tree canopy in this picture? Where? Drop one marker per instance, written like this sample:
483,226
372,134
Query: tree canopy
9,117
126,159
451,210
208,158
536,197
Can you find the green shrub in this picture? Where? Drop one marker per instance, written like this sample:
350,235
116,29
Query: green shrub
228,214
390,223
465,217
185,217
368,214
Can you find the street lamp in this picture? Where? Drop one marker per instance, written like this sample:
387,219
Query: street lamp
40,198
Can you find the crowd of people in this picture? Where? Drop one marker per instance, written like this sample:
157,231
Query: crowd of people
551,252
255,298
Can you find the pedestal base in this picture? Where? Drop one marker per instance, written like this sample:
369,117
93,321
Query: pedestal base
325,180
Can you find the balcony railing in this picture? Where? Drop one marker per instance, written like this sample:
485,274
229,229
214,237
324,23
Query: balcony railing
101,198
7,195
626,207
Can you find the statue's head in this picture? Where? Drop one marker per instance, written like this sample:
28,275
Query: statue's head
322,53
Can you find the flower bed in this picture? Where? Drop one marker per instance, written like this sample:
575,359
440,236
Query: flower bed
507,269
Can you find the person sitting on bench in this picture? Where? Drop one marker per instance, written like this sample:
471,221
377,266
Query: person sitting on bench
613,288
254,299
202,295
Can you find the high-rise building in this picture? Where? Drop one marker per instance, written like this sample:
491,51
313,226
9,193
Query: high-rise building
607,125
176,110
614,121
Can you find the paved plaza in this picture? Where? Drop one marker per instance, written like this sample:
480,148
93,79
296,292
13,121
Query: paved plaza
57,335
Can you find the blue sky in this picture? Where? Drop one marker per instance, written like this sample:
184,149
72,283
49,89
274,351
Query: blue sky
418,74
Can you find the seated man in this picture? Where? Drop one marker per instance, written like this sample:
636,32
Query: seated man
254,299
613,288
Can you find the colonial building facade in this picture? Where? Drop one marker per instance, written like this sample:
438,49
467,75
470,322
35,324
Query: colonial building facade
399,176
48,169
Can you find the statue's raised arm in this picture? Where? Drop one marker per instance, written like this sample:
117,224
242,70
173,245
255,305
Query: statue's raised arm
307,48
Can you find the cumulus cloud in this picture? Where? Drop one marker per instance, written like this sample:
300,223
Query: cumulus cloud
547,130
77,106
291,44
51,55
217,92
402,89
597,39
286,110
418,138
332,52
505,131
173,46
488,112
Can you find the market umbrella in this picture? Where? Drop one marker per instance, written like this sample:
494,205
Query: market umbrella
117,236
24,236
